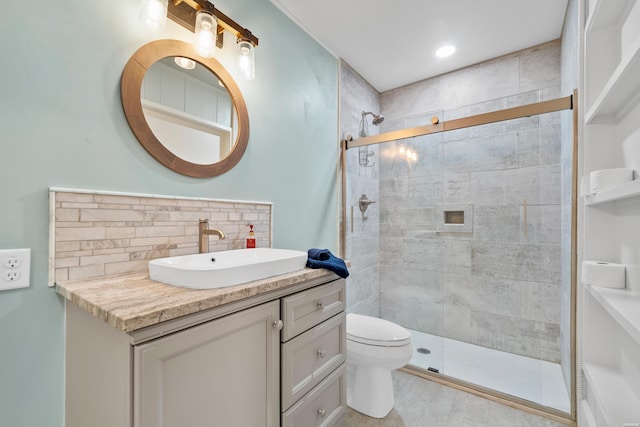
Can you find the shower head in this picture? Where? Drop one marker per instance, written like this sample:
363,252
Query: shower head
377,118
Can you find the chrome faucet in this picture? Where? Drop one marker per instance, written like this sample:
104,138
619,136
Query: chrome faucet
204,233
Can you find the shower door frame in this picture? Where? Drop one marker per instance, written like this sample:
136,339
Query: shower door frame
558,104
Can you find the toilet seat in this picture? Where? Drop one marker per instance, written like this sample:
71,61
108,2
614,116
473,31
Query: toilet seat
376,332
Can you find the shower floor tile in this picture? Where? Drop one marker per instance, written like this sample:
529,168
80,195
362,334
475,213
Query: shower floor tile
535,380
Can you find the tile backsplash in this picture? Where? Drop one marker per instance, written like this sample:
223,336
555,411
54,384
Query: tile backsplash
93,234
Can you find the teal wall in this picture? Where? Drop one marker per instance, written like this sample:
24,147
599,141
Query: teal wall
61,124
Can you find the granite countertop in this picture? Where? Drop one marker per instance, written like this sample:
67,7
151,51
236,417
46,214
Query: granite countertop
133,301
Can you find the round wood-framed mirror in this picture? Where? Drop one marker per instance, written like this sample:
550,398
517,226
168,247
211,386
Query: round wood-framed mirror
137,112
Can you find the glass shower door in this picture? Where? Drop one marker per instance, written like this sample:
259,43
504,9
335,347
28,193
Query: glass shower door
411,257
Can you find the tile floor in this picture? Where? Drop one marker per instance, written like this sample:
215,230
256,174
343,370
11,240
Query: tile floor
531,379
424,403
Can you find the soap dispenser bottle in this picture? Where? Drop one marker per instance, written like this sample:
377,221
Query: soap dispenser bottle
251,240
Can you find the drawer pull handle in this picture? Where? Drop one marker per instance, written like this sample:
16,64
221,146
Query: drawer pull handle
322,412
277,325
321,354
320,303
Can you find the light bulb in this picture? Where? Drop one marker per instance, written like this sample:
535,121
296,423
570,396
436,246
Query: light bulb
204,41
186,63
246,60
153,13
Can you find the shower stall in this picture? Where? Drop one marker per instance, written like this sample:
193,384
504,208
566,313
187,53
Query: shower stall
471,241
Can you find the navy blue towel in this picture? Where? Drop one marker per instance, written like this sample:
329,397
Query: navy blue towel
323,258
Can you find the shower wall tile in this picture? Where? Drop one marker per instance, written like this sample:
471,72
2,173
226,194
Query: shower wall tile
541,67
409,252
498,223
520,336
363,284
457,323
365,252
550,141
514,224
536,185
422,316
456,253
362,231
534,263
484,153
368,307
541,302
424,285
457,187
491,295
529,148
406,222
411,192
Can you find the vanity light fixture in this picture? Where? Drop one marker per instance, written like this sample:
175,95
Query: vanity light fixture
208,25
186,63
153,13
445,51
205,34
246,59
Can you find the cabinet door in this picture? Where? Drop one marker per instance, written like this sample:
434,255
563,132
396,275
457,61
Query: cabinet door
221,373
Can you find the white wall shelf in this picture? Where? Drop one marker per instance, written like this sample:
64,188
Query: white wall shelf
620,92
628,190
604,17
611,317
623,305
618,404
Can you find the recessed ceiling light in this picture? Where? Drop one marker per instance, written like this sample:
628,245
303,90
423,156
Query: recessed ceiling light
445,51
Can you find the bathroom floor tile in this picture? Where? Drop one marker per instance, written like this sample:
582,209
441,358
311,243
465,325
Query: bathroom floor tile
424,403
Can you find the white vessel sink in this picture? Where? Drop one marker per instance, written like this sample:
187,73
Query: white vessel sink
225,268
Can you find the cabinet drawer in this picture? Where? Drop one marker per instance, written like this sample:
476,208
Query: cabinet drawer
324,406
308,358
306,309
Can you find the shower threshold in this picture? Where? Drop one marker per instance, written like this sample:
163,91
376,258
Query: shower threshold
524,377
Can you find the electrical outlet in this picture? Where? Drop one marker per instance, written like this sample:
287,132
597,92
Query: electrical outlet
15,265
12,262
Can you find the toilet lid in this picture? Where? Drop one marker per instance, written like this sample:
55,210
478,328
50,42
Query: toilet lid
374,331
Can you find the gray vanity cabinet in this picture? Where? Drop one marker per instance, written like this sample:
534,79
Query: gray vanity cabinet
222,373
227,366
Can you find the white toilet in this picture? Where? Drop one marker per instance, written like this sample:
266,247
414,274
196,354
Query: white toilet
374,348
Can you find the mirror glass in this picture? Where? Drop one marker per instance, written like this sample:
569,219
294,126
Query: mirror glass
189,110
192,119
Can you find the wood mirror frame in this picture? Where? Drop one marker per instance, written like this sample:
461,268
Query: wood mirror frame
130,89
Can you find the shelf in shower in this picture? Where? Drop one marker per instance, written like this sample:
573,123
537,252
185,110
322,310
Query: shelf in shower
623,305
625,191
616,403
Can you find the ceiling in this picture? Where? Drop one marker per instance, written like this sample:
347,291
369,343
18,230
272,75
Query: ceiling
391,43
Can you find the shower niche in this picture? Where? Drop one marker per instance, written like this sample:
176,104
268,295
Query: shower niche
454,217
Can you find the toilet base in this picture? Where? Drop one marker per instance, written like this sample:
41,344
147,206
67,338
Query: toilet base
370,390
